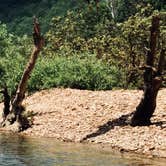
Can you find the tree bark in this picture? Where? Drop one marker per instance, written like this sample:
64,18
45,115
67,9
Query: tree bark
17,102
16,107
6,109
152,80
111,5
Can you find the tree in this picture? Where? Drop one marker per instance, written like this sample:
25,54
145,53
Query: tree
6,108
112,4
16,108
96,2
152,79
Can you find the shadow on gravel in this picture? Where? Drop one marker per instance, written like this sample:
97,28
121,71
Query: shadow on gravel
161,124
123,120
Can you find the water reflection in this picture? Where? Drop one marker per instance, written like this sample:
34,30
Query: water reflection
21,151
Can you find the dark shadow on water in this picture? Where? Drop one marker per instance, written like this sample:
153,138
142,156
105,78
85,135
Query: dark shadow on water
123,120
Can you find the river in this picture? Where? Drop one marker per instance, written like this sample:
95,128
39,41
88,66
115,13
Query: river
24,151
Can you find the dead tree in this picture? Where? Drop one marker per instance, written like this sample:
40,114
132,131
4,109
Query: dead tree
112,5
16,107
6,108
152,80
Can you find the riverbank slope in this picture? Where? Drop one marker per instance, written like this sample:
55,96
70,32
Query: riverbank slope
97,116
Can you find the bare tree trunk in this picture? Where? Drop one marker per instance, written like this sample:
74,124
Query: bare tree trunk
111,5
97,5
152,80
6,109
17,102
16,105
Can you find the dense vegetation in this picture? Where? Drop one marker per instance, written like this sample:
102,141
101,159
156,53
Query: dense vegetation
85,47
17,14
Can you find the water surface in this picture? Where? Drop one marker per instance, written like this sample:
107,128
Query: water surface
22,151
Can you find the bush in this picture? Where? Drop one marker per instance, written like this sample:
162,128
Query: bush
11,70
87,73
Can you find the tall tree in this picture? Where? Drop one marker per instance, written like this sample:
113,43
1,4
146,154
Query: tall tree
152,79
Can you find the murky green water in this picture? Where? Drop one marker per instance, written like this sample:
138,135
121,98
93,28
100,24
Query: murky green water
23,151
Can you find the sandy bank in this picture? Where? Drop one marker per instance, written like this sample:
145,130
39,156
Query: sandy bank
97,116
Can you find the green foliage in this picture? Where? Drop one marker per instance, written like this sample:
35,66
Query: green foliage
122,44
13,55
76,30
83,71
85,49
126,8
18,14
12,70
74,72
136,34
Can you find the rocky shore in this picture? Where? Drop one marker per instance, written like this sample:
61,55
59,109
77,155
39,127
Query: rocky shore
97,116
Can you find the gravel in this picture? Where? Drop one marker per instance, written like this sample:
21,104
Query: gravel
97,116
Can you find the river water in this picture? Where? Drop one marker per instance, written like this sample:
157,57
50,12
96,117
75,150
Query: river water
22,151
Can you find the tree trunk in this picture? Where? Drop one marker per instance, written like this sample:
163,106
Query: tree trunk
6,109
111,5
16,107
152,81
17,102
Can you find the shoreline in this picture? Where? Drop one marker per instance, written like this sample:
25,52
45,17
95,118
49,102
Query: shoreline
98,117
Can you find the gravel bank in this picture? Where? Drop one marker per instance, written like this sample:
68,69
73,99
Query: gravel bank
99,117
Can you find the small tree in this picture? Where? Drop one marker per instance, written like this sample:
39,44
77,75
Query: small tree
13,111
152,79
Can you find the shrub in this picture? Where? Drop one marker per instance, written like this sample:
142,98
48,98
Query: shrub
74,72
11,70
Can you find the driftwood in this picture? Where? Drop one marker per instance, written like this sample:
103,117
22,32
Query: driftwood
16,107
152,80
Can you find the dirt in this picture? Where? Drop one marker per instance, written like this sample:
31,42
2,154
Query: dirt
99,117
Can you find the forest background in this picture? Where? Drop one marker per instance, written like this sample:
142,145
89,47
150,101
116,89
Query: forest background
86,46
